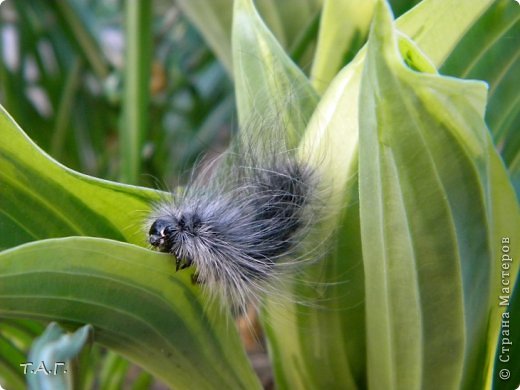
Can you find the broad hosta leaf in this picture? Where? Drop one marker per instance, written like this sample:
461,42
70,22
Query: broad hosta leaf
286,19
332,136
138,305
269,76
319,340
343,30
310,358
333,291
428,222
430,20
267,83
39,198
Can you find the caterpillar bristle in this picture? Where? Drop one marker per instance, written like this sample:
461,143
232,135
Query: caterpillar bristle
242,225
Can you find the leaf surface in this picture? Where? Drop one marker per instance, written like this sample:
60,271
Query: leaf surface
136,302
428,221
40,198
273,95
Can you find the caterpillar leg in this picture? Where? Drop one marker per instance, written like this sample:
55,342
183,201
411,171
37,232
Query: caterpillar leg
195,278
182,263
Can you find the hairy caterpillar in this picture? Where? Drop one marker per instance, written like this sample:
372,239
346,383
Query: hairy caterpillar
244,224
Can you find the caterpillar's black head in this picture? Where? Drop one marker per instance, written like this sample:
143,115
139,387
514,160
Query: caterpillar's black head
161,234
175,235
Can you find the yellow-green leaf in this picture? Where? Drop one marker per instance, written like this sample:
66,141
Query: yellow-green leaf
427,222
271,91
40,198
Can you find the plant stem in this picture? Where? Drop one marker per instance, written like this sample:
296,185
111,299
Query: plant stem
136,83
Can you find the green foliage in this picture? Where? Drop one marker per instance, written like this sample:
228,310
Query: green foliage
136,302
62,77
424,167
495,60
420,198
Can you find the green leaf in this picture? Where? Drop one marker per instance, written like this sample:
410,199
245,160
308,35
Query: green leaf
318,341
265,75
134,121
330,142
39,198
332,292
136,302
50,357
113,372
505,230
486,52
335,154
428,221
432,19
424,23
343,30
271,91
286,20
11,355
